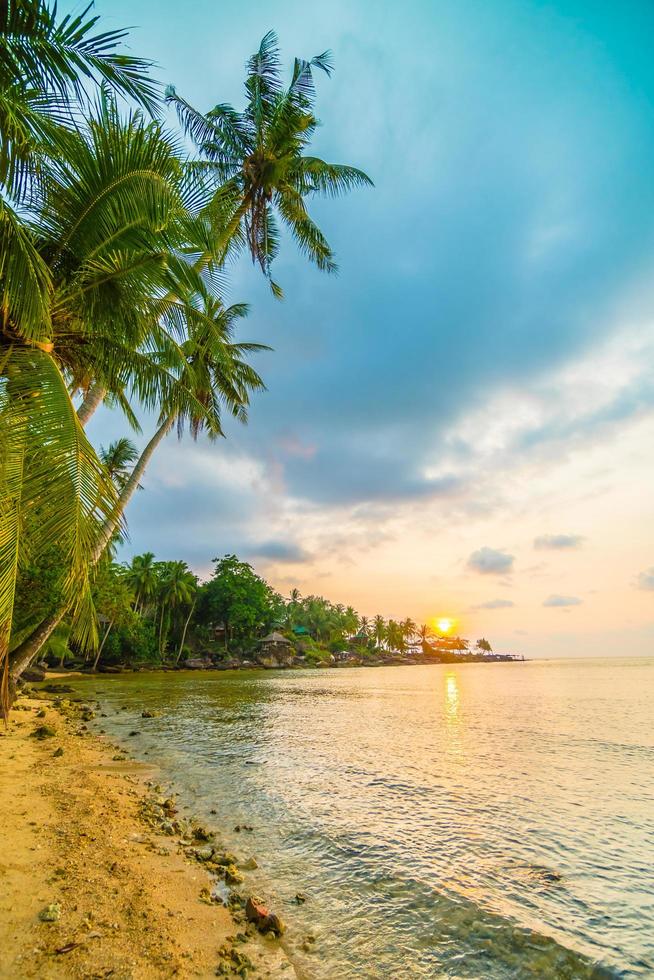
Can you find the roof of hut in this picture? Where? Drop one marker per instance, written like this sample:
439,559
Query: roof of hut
275,638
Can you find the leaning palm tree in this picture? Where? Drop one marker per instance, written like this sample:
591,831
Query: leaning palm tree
215,377
259,163
107,221
48,65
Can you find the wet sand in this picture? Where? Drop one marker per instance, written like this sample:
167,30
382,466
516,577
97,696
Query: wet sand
127,900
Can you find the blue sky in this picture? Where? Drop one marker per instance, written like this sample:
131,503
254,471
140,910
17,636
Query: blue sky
476,384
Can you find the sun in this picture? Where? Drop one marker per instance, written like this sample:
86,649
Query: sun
444,625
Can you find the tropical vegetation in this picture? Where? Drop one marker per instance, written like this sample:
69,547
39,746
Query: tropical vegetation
159,613
113,251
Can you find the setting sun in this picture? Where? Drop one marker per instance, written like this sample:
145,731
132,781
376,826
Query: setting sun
444,625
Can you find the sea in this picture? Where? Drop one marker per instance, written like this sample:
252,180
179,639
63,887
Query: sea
486,820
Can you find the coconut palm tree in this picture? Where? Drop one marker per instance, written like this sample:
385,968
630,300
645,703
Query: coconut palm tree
259,164
47,467
177,586
408,628
215,377
107,220
425,633
141,577
379,630
117,459
48,65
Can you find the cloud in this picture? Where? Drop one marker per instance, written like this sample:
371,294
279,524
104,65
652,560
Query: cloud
645,580
562,601
495,604
558,542
280,551
490,561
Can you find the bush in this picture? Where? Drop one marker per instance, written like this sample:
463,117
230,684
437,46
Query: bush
137,641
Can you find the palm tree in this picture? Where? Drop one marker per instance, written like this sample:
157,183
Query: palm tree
425,633
395,636
258,161
379,630
47,66
177,585
141,576
408,628
108,220
47,467
215,376
117,459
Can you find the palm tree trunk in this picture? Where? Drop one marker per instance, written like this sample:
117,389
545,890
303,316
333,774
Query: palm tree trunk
25,652
104,640
181,642
94,397
163,606
129,489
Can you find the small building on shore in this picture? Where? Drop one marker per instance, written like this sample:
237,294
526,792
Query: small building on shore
275,644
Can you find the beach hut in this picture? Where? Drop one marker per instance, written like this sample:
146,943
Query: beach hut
275,644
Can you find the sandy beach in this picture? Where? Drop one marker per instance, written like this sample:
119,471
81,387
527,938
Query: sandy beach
89,887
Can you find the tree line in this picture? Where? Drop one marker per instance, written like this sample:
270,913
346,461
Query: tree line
115,248
159,612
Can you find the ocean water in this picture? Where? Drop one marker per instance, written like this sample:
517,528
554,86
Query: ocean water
475,820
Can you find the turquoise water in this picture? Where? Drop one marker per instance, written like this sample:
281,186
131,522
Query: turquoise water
481,820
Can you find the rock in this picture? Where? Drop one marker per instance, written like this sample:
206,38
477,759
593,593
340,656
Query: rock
300,898
41,713
256,911
150,714
232,875
34,674
249,865
43,731
201,833
51,913
225,859
167,828
134,733
274,924
204,853
58,753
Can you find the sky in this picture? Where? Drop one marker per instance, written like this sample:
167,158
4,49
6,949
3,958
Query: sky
460,423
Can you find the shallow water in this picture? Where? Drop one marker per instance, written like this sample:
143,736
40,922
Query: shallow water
481,820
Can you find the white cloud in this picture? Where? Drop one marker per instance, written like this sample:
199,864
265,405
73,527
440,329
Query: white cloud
490,561
558,542
496,604
562,601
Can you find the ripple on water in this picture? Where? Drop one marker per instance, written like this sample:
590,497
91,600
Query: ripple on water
468,821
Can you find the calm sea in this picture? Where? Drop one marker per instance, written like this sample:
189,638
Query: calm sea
481,820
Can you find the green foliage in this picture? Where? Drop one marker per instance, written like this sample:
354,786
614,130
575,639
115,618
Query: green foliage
112,251
39,586
133,642
259,164
238,598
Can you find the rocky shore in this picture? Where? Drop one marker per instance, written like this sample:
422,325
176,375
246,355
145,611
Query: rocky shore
101,875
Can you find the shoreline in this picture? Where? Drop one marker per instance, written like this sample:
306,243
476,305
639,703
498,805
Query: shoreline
103,878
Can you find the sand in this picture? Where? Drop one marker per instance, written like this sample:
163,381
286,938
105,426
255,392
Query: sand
72,835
